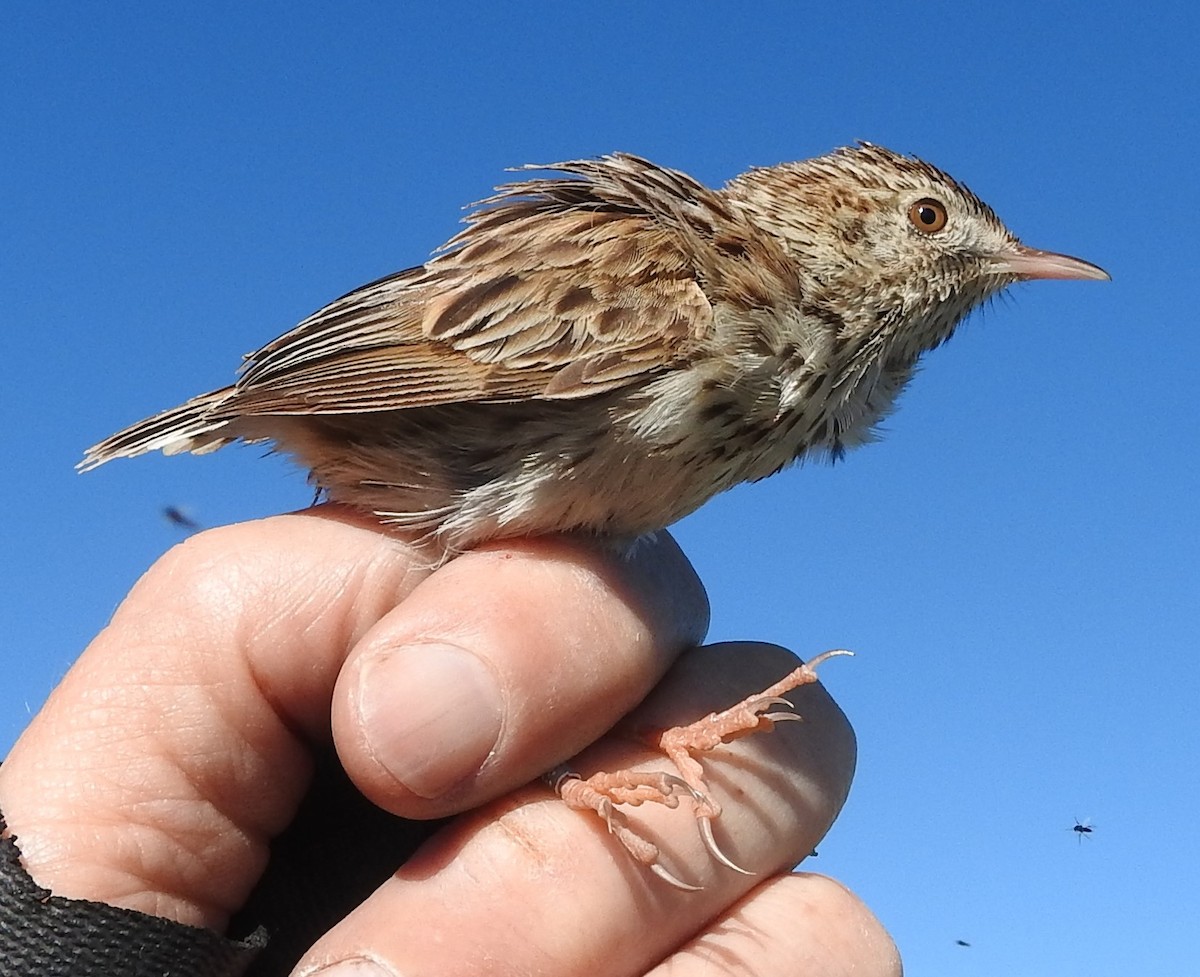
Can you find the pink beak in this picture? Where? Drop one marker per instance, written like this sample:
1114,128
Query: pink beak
1029,263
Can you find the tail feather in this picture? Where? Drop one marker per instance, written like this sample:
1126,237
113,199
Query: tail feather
194,427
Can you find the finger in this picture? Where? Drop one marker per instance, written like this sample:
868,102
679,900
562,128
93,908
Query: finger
505,889
177,746
804,925
506,662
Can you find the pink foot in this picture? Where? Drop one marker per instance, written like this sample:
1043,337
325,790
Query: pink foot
602,791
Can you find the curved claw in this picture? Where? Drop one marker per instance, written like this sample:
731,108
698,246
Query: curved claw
714,849
673,880
697,795
772,700
776,717
554,779
826,655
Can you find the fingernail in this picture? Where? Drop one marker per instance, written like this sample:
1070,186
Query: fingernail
358,967
431,714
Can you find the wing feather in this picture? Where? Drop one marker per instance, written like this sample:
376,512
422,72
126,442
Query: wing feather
563,287
557,289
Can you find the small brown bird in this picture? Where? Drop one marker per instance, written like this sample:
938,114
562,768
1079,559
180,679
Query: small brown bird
604,350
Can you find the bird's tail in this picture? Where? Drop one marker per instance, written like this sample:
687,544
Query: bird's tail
196,426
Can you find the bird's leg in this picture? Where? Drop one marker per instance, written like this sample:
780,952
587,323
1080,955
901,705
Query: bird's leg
753,714
602,791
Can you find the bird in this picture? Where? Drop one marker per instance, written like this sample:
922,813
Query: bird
605,347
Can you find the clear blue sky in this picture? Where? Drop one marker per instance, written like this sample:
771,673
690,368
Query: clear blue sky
1016,563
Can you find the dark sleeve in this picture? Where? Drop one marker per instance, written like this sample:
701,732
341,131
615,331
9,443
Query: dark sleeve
337,851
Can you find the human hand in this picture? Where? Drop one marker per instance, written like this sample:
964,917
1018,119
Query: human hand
182,742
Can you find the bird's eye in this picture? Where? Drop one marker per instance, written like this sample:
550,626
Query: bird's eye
928,215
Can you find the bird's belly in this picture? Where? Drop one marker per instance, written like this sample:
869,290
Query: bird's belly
620,466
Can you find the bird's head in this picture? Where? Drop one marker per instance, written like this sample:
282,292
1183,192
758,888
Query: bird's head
888,242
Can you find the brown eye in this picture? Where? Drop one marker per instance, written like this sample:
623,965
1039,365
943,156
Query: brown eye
928,215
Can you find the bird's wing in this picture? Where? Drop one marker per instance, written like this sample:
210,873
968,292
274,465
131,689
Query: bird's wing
558,288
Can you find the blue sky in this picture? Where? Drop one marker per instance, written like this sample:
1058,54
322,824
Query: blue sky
1016,562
